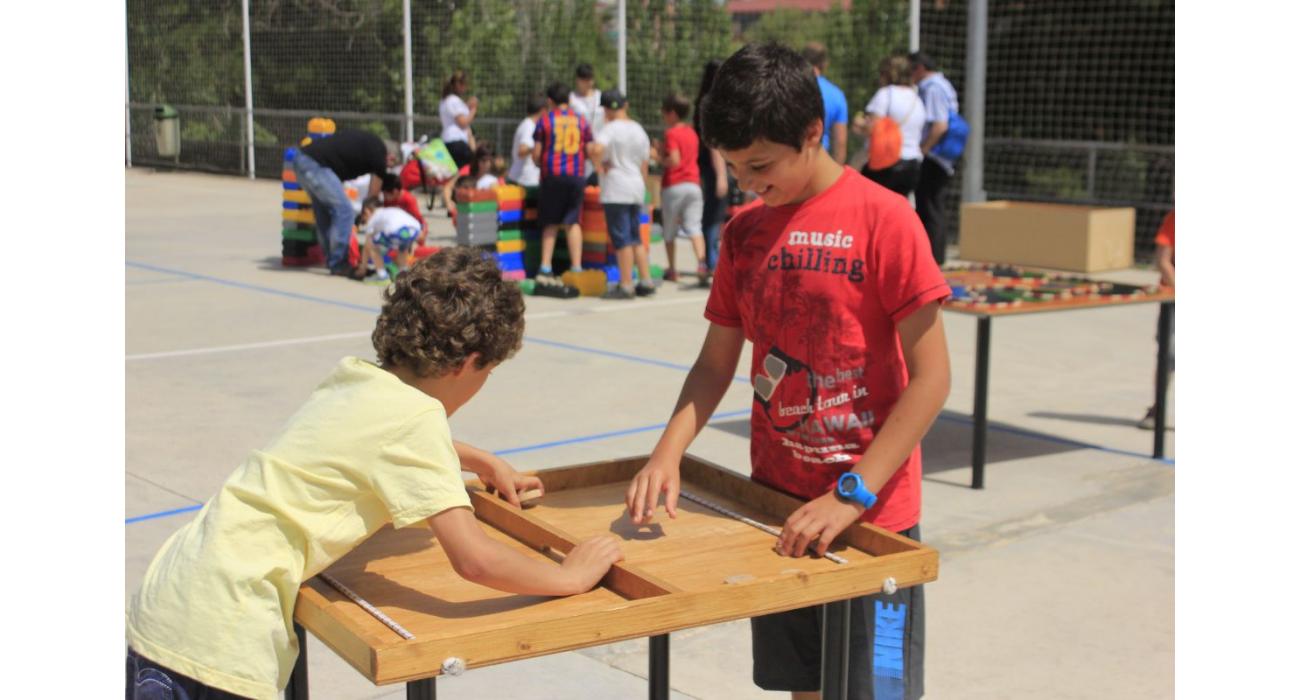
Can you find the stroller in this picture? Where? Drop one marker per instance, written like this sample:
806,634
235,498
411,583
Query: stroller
429,166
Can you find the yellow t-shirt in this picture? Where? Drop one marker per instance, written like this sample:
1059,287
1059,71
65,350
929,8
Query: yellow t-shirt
217,601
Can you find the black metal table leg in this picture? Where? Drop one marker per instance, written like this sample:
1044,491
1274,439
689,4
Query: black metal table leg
835,650
981,428
1164,329
659,667
297,688
423,689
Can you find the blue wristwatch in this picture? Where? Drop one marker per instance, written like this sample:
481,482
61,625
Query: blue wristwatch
852,489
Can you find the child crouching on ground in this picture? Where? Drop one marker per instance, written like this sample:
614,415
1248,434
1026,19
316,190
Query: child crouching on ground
386,228
371,445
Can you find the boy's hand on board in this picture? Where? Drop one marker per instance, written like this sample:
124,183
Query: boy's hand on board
501,477
817,523
658,476
588,562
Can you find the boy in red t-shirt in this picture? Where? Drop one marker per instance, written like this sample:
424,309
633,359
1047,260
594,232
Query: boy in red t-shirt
1165,262
392,194
832,280
682,198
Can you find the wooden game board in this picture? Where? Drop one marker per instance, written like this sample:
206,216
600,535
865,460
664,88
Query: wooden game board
703,567
988,291
1002,290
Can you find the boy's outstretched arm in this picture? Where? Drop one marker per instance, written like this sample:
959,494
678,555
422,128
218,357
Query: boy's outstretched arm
496,472
485,561
925,350
708,380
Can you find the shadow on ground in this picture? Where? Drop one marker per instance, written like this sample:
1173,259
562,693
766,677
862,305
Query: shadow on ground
948,444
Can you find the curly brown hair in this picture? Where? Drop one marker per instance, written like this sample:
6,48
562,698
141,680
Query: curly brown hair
445,308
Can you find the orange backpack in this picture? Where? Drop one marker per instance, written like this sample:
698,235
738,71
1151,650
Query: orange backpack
886,139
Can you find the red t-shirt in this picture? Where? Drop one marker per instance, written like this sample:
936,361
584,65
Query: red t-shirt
682,138
818,287
1165,234
408,203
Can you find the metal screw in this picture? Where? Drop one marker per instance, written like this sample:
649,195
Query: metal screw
890,586
453,666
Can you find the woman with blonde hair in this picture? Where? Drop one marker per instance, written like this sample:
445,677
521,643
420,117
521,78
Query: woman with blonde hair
898,100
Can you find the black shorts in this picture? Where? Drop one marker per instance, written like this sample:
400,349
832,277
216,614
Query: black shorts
460,152
559,200
886,646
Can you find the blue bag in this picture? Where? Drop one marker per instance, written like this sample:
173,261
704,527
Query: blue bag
953,143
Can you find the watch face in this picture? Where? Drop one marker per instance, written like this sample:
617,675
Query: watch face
849,483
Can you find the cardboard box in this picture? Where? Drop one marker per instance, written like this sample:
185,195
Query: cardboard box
1057,236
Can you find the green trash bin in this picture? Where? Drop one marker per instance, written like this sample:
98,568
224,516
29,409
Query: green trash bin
167,131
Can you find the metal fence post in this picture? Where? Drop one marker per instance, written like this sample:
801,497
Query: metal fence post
406,53
248,95
622,46
977,36
126,53
914,25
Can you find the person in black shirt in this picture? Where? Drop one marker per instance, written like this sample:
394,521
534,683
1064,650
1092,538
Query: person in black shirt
321,169
713,179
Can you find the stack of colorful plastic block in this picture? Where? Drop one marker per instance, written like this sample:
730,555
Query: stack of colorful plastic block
597,251
510,240
298,245
532,233
476,217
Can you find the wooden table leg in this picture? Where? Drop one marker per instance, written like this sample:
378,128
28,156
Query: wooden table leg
835,650
423,689
1164,333
981,427
659,667
297,688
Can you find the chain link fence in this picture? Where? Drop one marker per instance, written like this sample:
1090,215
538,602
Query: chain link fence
1079,100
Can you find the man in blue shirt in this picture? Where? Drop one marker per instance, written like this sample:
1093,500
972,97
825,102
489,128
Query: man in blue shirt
835,127
940,100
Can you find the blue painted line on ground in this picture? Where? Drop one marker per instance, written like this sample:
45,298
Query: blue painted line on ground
603,436
256,288
375,310
163,514
623,356
507,451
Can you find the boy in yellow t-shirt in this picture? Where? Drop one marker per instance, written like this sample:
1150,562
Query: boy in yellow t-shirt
214,614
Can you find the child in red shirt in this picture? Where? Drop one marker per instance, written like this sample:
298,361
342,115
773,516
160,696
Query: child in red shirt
831,278
392,194
1165,262
683,200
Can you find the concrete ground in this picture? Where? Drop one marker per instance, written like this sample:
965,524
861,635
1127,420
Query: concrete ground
1056,580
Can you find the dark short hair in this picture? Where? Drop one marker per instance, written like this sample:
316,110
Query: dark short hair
391,182
558,92
535,103
763,91
815,53
918,58
677,103
584,71
371,203
447,307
